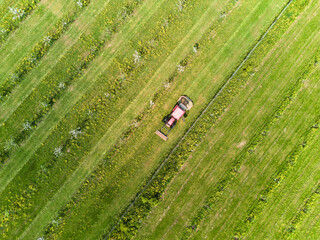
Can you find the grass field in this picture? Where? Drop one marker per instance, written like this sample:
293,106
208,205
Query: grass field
85,84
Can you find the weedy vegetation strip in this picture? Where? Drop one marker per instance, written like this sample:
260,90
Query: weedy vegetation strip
98,180
87,48
32,111
12,15
74,136
303,213
71,67
150,194
40,49
277,178
225,182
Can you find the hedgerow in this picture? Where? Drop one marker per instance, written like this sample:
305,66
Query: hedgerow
151,195
12,15
40,49
92,116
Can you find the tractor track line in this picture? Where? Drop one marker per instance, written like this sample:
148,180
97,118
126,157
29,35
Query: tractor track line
198,118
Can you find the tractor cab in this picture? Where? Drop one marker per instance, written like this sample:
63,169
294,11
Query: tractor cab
179,111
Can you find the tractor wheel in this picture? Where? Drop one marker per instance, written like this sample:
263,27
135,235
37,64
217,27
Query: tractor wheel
165,119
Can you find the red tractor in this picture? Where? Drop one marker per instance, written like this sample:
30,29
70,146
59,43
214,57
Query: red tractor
179,111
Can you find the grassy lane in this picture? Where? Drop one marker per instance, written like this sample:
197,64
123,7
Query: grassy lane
100,149
70,98
57,51
239,141
290,197
309,229
12,14
30,32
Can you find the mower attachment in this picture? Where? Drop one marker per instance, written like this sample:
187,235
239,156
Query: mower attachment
162,135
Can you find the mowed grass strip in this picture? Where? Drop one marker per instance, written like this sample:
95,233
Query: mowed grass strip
65,104
250,181
178,202
57,51
286,204
309,228
31,31
172,213
105,140
158,185
184,41
69,68
59,132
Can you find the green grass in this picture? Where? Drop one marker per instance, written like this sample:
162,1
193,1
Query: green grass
81,194
11,168
30,32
